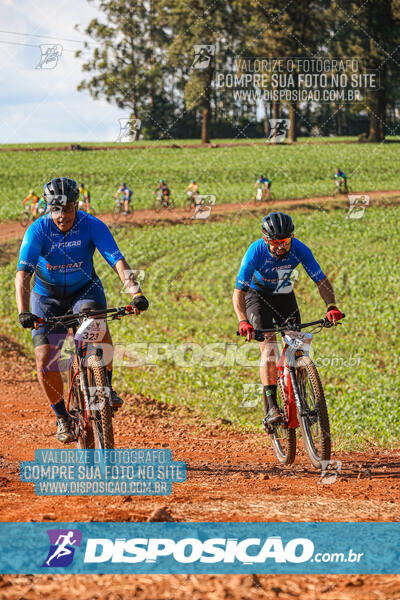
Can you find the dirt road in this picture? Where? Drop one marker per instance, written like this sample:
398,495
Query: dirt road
10,230
231,476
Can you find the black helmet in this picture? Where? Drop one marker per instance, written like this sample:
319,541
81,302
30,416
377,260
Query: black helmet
60,190
277,225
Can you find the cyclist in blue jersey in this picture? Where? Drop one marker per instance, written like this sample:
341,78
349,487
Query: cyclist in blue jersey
264,294
265,184
126,196
58,249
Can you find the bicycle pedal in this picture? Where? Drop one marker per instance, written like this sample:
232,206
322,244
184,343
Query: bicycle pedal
267,427
270,427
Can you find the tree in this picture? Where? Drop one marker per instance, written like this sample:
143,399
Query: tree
124,66
370,32
200,35
297,31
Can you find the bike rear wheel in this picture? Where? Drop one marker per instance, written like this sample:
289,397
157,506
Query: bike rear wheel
100,396
283,438
117,212
314,419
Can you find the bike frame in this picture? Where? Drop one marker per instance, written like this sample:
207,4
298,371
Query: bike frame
81,353
291,399
81,348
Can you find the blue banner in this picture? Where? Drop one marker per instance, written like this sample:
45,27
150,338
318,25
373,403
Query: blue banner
72,472
208,548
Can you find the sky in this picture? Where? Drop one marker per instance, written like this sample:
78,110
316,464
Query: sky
43,104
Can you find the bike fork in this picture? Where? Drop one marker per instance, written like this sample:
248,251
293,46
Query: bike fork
293,390
83,380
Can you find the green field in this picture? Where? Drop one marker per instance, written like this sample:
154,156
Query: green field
189,279
299,171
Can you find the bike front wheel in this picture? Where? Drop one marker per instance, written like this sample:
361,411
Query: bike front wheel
314,419
101,415
83,429
283,438
25,220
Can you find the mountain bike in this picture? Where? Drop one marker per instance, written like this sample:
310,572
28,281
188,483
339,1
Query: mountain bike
28,217
190,200
162,201
260,195
90,210
341,188
89,403
300,397
119,210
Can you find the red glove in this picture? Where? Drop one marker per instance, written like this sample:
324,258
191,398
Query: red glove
333,314
245,328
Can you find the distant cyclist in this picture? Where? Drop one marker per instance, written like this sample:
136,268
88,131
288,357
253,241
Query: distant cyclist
126,196
264,294
163,189
192,192
84,198
35,201
265,184
59,250
340,180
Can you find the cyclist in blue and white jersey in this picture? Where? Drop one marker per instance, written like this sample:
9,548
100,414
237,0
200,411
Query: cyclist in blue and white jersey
340,179
58,249
264,294
126,196
265,185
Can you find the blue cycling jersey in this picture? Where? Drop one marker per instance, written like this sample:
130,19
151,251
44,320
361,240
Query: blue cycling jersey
63,262
263,180
126,191
260,270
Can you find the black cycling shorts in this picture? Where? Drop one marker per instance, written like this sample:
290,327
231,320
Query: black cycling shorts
263,309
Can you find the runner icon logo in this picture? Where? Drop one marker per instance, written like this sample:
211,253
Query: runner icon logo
61,551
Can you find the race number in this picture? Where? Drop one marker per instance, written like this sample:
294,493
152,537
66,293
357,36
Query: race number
298,340
91,330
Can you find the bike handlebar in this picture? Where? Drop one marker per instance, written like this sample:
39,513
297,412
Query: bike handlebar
73,319
259,333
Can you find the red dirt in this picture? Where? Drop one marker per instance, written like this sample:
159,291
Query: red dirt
231,476
12,229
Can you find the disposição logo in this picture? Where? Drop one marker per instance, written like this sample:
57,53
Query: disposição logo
62,547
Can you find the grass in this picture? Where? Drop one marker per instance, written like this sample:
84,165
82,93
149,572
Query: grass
168,141
229,173
185,351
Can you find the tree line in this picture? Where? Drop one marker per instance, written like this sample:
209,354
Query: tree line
160,60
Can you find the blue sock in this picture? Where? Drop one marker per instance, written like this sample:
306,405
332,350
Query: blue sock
109,373
60,409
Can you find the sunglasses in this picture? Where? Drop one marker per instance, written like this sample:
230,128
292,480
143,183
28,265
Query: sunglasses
277,243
